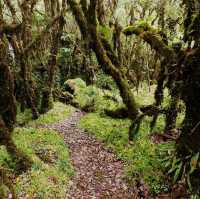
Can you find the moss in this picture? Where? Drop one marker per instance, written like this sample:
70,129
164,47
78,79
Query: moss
48,176
153,37
73,85
59,112
105,32
138,29
142,158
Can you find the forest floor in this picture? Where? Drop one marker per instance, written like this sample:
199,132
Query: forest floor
88,156
98,172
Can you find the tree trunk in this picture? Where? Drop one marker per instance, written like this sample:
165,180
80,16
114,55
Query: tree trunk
191,96
56,33
8,110
47,98
88,28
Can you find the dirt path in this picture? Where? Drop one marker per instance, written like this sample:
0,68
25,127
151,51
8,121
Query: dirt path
99,175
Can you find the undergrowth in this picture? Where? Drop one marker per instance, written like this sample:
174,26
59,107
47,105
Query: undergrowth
142,157
59,112
51,170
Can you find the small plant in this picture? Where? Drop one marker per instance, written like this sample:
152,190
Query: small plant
105,82
184,169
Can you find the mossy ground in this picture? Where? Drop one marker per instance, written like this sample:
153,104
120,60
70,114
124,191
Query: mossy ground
51,169
142,158
58,113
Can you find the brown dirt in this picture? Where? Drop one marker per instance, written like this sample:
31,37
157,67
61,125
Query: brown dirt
98,172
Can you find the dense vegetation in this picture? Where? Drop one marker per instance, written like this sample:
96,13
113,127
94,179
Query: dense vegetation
133,66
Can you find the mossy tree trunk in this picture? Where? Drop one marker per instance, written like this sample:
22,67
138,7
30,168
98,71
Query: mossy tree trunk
19,41
26,68
185,82
56,33
190,135
108,61
8,109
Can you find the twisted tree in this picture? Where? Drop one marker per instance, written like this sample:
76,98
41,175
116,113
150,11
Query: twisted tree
183,81
8,105
87,21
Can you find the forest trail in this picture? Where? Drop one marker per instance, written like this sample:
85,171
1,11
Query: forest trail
98,172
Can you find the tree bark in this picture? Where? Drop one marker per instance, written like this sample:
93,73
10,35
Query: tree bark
88,28
47,103
8,110
190,135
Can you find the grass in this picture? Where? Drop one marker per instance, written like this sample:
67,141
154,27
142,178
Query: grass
142,157
51,169
50,173
58,113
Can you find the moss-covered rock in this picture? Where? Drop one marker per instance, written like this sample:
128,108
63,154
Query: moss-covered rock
73,85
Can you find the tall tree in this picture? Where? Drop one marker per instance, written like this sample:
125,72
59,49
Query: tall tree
105,56
19,42
8,102
182,79
52,9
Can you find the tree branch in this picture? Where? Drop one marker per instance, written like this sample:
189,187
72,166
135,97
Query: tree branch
151,36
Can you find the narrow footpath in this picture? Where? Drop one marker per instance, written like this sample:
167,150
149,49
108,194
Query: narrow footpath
98,172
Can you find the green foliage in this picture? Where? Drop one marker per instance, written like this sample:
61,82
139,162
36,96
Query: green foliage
105,31
86,96
138,28
5,159
58,113
51,169
46,179
92,96
75,84
83,95
183,169
142,158
105,82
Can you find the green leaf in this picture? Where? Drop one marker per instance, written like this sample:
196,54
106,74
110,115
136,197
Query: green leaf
167,164
175,165
178,172
189,182
194,162
167,159
172,170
